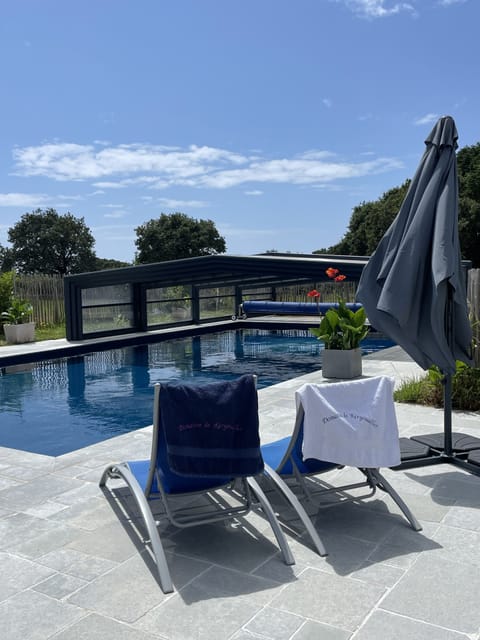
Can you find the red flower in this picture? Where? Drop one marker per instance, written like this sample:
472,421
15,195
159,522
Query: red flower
340,278
313,294
331,272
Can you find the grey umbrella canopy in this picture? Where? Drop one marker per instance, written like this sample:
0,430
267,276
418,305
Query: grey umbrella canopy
413,288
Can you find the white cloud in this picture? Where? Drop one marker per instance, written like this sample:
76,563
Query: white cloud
22,199
297,171
115,214
377,8
429,118
254,192
158,167
179,204
448,3
327,102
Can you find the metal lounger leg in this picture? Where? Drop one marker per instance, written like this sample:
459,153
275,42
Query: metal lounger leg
383,484
297,505
267,508
124,472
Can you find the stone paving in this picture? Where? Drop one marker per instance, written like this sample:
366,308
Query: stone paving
72,570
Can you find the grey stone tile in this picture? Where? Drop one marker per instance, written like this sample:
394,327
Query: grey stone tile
440,592
382,625
79,493
95,626
21,473
233,544
36,491
87,515
379,573
35,616
219,603
402,547
77,563
59,586
111,542
131,589
459,545
6,483
275,624
358,521
463,517
316,631
6,512
246,635
278,571
44,543
422,506
343,602
19,528
45,509
19,574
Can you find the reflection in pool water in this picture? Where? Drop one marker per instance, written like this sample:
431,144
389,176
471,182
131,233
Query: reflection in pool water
56,406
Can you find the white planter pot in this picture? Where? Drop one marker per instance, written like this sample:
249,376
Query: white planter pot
341,364
19,333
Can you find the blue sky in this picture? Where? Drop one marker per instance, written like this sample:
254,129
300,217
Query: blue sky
273,118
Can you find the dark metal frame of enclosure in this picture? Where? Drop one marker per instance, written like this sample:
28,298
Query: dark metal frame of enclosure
242,273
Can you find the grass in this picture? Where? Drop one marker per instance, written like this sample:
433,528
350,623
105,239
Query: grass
43,332
428,390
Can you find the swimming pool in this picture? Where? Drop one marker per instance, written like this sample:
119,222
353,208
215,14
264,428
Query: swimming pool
56,406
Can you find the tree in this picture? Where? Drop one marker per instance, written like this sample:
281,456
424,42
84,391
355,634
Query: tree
6,259
46,242
370,220
109,263
175,236
368,223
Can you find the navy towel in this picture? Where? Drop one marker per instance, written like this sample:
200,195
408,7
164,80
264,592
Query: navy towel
212,429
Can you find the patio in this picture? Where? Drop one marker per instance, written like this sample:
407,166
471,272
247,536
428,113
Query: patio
71,571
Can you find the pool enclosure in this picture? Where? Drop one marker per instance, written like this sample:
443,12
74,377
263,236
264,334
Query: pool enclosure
191,291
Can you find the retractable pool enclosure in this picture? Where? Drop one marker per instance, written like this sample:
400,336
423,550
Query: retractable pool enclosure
189,291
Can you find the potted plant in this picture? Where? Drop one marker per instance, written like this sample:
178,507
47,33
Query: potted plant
18,327
341,330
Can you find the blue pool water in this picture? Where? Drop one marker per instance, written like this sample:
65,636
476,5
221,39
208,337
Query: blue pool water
57,406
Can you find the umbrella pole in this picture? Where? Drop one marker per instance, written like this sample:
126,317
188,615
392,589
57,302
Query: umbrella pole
447,414
447,380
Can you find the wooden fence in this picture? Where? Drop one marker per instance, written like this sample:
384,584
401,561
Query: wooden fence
45,292
474,308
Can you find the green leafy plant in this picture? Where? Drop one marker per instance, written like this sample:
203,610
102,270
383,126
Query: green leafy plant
428,390
18,312
340,328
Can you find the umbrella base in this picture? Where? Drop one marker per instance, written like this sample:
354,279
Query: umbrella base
424,451
461,442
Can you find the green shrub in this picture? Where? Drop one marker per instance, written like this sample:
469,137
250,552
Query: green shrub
6,290
429,389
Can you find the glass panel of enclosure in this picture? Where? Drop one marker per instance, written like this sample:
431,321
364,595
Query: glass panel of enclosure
257,293
107,318
111,294
216,302
167,305
108,308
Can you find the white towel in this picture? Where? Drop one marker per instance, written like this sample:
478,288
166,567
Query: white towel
351,423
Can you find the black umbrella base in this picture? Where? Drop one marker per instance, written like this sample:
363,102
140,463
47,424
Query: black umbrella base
461,442
423,451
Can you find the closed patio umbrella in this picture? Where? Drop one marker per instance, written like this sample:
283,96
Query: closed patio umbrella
413,287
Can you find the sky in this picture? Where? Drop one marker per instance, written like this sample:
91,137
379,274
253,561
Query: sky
272,118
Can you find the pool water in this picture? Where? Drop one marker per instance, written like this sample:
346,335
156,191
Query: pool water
56,406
